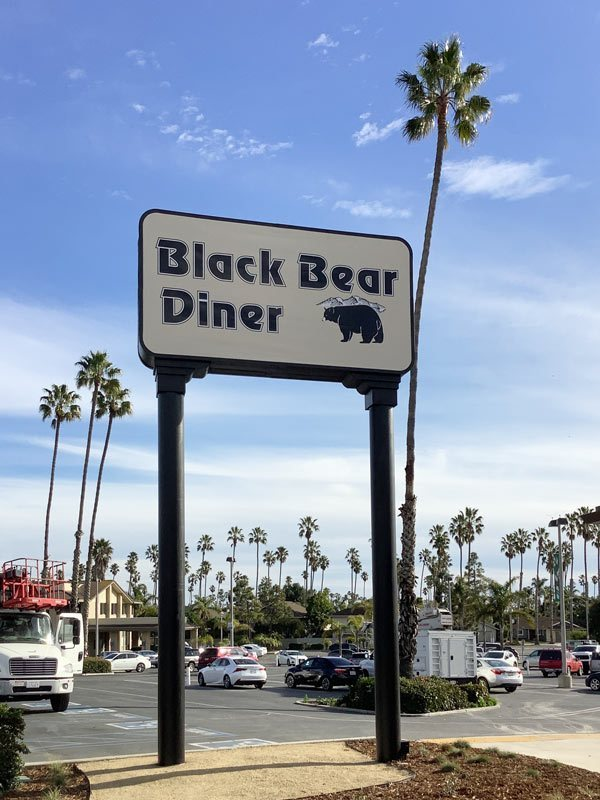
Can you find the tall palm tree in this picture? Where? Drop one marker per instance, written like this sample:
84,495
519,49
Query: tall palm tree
114,569
364,576
58,404
234,537
257,536
307,527
312,553
522,542
425,559
457,532
269,559
94,371
587,534
112,401
203,573
192,580
282,556
323,565
152,556
131,568
571,529
550,561
438,87
205,545
102,554
540,538
220,579
507,546
440,564
473,526
353,559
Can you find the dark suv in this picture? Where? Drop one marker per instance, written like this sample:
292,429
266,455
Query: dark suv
324,673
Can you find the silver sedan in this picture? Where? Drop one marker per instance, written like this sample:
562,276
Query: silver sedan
289,658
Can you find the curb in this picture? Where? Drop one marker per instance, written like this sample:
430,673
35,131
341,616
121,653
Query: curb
312,704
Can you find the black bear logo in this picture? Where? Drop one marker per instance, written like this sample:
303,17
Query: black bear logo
361,319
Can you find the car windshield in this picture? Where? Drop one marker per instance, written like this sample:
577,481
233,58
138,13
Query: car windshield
495,653
292,652
25,629
586,648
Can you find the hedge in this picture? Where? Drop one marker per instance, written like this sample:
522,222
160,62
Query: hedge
421,695
12,746
93,664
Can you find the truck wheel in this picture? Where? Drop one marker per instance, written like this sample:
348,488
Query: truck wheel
140,668
60,702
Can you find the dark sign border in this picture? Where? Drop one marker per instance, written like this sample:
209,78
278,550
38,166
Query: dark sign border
266,369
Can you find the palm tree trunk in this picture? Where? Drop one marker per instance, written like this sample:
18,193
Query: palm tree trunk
88,567
587,594
408,611
50,493
257,568
537,599
552,606
79,531
521,575
280,568
509,572
322,578
421,584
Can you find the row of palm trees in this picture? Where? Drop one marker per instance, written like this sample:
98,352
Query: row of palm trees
59,404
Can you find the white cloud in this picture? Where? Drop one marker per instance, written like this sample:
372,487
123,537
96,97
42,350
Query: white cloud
371,132
142,58
365,115
121,194
169,129
507,180
18,78
362,58
138,107
314,201
165,84
373,209
513,97
75,73
218,144
323,41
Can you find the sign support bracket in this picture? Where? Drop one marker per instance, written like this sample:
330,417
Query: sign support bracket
171,379
381,396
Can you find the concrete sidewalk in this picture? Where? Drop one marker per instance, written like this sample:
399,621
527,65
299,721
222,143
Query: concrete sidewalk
577,749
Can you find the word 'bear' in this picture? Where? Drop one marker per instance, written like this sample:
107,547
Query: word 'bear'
356,319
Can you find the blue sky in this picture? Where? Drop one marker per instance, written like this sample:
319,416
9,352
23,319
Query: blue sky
287,112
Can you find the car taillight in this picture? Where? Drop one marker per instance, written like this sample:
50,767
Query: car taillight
240,669
340,670
497,671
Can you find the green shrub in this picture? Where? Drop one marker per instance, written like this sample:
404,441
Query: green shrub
360,695
58,775
93,664
424,695
478,695
12,746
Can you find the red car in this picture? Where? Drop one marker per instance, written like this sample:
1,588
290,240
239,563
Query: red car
551,661
208,655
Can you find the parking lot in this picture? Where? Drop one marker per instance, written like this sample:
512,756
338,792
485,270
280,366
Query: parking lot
117,715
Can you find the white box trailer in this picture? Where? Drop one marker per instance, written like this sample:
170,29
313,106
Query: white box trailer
446,654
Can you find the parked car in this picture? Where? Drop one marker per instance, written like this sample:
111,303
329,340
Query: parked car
151,655
208,655
290,658
532,661
256,649
128,661
335,648
191,655
108,653
503,655
497,673
323,672
593,681
358,656
585,653
232,671
551,661
367,667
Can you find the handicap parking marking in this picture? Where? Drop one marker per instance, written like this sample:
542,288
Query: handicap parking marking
230,744
137,725
206,732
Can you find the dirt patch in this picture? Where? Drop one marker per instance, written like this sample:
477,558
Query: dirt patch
42,778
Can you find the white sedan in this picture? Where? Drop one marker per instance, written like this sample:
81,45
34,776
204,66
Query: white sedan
497,673
367,667
128,661
505,655
289,658
233,671
255,649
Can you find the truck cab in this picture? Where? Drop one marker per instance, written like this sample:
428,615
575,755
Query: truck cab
40,648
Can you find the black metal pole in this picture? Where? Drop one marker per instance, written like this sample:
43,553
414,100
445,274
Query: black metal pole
381,396
170,389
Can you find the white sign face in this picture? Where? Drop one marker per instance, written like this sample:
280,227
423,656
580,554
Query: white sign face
258,299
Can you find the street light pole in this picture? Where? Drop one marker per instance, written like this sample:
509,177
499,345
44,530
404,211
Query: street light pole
564,679
231,560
